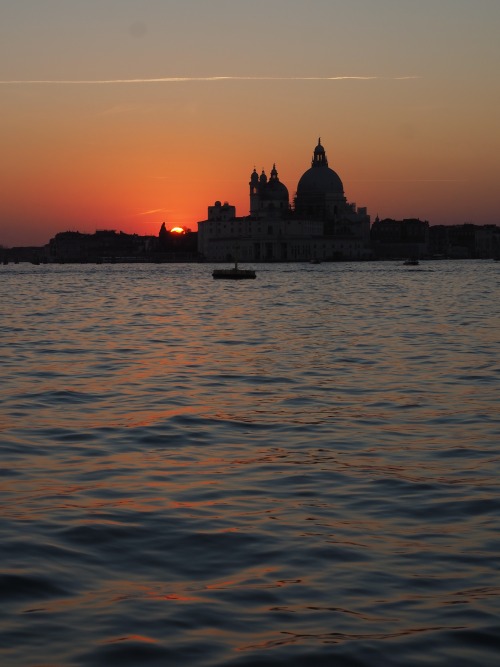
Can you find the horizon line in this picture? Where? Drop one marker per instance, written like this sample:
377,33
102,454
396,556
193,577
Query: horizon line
187,79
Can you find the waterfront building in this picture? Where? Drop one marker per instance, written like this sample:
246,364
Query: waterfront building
104,244
321,224
393,239
467,241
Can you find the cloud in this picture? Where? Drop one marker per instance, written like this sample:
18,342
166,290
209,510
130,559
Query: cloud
187,79
409,180
153,210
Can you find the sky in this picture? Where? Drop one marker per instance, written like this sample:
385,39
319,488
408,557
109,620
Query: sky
123,114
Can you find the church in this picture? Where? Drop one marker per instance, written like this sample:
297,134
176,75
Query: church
320,224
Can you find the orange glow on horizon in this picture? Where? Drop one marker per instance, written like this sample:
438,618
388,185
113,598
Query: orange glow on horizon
136,172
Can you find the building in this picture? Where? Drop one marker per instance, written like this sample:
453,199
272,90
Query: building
393,239
321,224
467,241
103,245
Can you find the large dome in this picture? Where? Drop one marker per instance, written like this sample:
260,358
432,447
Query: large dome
320,179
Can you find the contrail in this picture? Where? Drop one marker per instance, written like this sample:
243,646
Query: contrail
409,180
186,79
153,210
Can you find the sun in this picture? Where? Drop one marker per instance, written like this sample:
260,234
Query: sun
177,230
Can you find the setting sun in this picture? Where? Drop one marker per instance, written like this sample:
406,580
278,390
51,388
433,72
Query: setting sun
177,230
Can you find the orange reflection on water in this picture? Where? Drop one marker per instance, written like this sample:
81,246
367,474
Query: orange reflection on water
132,638
176,597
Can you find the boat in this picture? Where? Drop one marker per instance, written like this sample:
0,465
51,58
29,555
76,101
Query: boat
314,260
234,274
412,261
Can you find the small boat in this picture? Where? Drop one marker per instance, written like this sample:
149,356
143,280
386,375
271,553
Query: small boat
412,261
234,274
314,260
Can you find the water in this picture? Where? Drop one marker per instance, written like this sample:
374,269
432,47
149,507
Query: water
296,470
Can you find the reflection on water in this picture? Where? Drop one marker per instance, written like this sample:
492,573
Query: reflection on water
301,470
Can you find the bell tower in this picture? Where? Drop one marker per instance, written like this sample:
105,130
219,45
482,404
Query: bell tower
254,192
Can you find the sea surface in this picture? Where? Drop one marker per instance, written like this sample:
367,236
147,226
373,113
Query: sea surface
299,470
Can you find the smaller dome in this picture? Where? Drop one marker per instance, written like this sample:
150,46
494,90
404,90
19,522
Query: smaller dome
275,190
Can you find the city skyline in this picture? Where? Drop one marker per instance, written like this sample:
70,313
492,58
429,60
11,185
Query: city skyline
127,114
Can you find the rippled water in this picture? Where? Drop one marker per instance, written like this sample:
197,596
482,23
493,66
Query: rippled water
297,470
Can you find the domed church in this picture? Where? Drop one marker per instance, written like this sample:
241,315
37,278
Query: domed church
320,192
268,197
321,224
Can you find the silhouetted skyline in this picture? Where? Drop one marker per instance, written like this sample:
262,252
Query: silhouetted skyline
177,100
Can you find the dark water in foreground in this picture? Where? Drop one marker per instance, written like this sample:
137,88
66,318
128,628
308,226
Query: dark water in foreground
297,470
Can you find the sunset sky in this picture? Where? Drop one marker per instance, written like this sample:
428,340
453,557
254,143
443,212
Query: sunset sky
122,114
